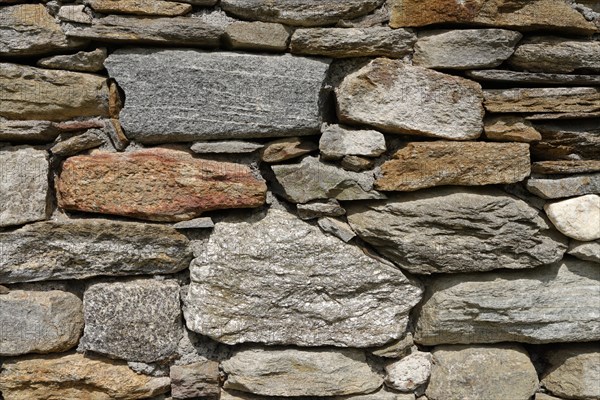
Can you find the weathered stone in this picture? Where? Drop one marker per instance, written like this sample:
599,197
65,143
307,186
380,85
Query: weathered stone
589,251
39,322
115,132
318,209
79,249
79,125
277,280
553,303
300,12
569,140
197,223
337,228
84,61
137,320
563,115
195,380
510,128
498,75
140,7
558,55
573,371
27,131
399,98
554,15
457,230
312,179
257,36
380,16
226,146
286,149
23,185
155,184
482,372
577,218
569,186
75,376
544,396
409,373
465,48
380,395
29,30
292,372
357,163
420,165
397,349
337,142
353,42
565,167
76,144
542,100
74,13
246,95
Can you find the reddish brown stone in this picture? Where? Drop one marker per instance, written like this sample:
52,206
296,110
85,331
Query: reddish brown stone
155,184
76,126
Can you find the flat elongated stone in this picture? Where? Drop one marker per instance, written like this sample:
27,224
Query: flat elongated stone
79,249
275,279
83,61
553,303
233,95
379,395
291,372
317,209
589,251
569,186
499,75
155,184
197,223
399,98
542,100
577,218
565,167
337,142
75,376
140,7
337,228
27,131
421,165
88,140
286,149
39,322
465,48
257,36
457,230
573,371
226,146
568,140
510,128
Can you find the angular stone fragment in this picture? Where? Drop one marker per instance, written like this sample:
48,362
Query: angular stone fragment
569,186
558,55
84,61
292,372
257,36
457,230
569,140
421,165
509,128
482,372
277,280
27,131
155,184
465,48
225,147
577,218
337,228
573,371
23,185
542,100
195,380
75,376
87,140
357,163
197,223
397,349
499,75
409,373
140,7
337,142
286,149
565,167
317,209
563,115
38,94
245,95
299,12
312,179
39,322
74,13
353,42
79,249
589,251
399,98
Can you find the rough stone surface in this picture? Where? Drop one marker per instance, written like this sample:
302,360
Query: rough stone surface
286,149
396,349
88,140
195,380
353,42
568,140
137,320
23,185
544,396
291,372
482,372
542,100
317,209
589,251
420,165
245,95
558,55
577,218
79,249
197,223
569,186
518,77
380,395
75,376
257,36
400,98
83,61
155,184
140,7
510,128
226,147
39,322
27,131
573,371
465,49
337,228
565,167
457,230
555,303
74,13
409,373
277,280
337,142
357,163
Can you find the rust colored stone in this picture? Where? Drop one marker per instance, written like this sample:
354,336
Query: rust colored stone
76,126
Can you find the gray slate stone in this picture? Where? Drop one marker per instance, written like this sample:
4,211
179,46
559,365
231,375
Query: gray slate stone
499,75
589,251
137,320
569,186
79,249
277,280
226,147
257,36
337,228
317,209
553,303
27,131
84,61
337,142
196,223
88,140
233,95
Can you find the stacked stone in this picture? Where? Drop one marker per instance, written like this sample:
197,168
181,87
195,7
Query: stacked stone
311,199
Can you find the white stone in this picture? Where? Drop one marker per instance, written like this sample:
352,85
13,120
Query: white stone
577,218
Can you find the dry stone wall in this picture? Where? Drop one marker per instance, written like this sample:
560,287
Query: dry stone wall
304,199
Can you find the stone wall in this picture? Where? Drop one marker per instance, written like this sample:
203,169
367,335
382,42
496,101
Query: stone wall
316,199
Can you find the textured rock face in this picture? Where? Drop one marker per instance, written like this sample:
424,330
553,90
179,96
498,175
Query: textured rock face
569,140
27,131
577,218
555,188
508,128
337,142
195,380
543,100
513,306
278,280
589,251
118,316
225,147
140,7
286,149
155,184
23,185
464,49
399,98
88,140
457,230
80,249
482,372
566,167
498,75
421,165
257,36
573,371
559,55
84,61
74,376
316,209
409,373
242,100
39,322
292,372
33,93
